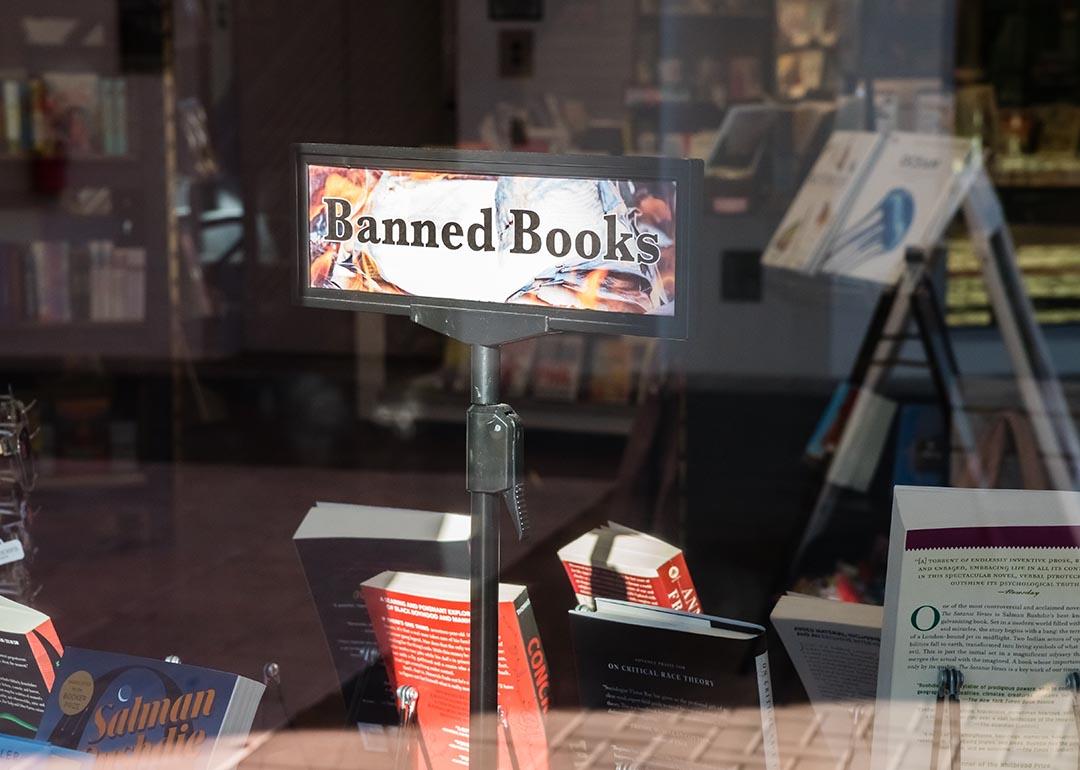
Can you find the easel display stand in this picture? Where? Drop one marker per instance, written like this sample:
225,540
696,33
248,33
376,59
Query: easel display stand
914,299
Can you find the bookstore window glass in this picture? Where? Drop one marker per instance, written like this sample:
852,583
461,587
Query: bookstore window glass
539,384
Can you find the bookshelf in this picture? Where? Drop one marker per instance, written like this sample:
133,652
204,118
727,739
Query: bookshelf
693,59
91,175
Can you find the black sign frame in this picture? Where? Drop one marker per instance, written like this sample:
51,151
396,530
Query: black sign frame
687,174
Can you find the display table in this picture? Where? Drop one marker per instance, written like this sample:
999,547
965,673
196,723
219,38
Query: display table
220,584
807,742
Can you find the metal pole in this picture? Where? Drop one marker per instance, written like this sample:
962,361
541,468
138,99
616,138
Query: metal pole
484,594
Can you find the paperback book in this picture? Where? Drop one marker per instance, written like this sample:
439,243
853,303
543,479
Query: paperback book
422,626
128,708
341,546
834,647
674,674
981,583
617,562
32,651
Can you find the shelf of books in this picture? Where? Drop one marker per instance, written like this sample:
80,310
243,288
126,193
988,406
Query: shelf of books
89,242
692,60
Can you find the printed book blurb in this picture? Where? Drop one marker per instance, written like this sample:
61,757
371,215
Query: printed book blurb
997,600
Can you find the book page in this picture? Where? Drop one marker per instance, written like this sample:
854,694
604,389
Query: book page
986,582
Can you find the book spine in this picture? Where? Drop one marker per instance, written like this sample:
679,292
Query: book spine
12,115
26,127
675,589
534,652
39,133
137,284
62,284
32,282
770,743
109,283
107,101
80,284
29,285
6,251
120,117
523,688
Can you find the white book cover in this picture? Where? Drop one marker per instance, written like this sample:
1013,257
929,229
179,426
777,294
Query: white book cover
986,582
822,199
834,647
900,204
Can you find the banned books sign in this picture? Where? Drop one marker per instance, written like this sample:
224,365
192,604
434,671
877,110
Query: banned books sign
581,241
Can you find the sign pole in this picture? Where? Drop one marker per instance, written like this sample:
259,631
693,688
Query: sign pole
484,583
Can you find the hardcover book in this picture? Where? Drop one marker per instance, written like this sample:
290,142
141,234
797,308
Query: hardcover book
657,665
108,704
32,651
340,547
617,562
422,624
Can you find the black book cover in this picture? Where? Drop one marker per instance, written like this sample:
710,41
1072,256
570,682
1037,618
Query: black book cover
675,677
336,565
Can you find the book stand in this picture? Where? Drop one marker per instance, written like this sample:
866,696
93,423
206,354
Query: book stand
405,699
950,680
914,298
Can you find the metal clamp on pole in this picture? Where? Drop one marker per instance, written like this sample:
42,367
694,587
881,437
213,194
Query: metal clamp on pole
495,441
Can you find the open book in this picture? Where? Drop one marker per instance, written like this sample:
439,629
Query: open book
621,563
868,198
659,665
422,625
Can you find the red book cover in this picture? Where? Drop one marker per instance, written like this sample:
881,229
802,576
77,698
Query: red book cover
679,591
616,562
421,623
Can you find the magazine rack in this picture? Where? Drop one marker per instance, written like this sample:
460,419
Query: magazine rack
914,299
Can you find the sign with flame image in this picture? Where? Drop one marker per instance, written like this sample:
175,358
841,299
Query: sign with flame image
577,243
